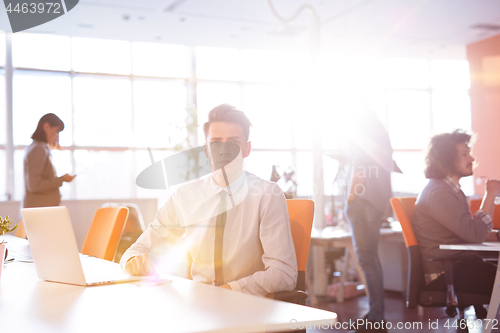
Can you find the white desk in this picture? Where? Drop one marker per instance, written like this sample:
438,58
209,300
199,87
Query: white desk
495,295
30,305
335,238
338,238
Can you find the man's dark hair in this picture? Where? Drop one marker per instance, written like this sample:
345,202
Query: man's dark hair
53,121
442,153
226,113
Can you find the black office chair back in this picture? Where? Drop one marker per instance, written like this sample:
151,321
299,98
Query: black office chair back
418,294
416,280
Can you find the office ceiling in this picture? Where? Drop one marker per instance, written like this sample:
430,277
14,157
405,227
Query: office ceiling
399,28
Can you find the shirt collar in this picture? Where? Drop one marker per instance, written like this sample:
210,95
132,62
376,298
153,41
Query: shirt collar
45,145
232,187
450,182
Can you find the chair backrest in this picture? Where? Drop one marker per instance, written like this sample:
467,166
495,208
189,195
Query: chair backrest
20,231
301,214
404,207
135,221
105,232
474,205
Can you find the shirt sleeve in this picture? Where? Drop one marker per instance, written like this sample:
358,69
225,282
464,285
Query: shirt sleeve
447,210
235,286
35,163
485,218
162,235
280,262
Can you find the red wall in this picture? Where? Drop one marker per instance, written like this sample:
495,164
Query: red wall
484,61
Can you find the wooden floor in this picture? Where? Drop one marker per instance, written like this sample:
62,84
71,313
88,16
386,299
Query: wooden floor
395,312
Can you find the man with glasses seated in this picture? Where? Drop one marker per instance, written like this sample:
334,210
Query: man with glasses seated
233,225
442,216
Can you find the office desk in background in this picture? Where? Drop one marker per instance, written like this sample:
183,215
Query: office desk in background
495,295
30,305
392,253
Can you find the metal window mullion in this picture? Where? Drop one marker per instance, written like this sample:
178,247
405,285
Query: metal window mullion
9,74
132,121
192,96
103,74
72,148
431,106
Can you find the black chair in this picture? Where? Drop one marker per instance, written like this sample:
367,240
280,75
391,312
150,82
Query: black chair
417,294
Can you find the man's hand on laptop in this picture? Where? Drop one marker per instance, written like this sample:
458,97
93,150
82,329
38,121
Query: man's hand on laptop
140,264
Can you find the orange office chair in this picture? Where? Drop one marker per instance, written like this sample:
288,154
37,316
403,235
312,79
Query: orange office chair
20,231
474,205
404,208
301,214
134,227
105,232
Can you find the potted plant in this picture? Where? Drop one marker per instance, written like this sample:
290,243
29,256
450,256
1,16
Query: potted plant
4,227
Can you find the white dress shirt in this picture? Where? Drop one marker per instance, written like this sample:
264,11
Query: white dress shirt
258,251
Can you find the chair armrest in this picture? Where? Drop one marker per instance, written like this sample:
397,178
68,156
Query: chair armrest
288,296
452,258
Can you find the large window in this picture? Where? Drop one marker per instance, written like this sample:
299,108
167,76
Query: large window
38,93
408,118
210,94
160,60
110,116
101,56
407,73
103,111
41,51
3,123
118,99
109,172
3,115
271,66
450,74
271,115
3,172
159,113
218,64
2,49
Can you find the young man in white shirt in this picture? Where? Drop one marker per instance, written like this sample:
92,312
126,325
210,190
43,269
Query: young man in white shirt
250,249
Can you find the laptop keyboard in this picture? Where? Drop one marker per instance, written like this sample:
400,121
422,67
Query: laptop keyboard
100,270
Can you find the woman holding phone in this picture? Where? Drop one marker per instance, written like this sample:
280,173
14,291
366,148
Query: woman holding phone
41,183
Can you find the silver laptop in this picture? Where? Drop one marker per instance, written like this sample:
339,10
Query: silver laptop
55,252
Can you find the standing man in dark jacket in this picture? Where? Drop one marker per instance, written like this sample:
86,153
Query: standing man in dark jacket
369,195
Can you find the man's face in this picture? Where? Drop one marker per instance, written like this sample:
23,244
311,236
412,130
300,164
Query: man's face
224,142
463,162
